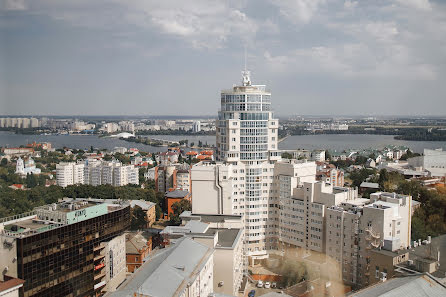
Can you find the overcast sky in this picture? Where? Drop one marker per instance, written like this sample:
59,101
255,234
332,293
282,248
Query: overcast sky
152,57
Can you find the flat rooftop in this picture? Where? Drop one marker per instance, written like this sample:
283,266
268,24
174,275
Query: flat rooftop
48,217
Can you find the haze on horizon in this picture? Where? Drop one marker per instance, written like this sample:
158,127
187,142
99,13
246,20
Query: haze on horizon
147,57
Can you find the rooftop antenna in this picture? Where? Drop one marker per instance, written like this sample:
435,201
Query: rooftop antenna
245,57
246,79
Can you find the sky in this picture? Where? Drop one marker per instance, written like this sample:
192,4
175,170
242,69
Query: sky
151,57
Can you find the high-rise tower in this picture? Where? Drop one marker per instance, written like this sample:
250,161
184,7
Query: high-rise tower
247,137
246,129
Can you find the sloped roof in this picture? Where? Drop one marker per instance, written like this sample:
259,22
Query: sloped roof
168,271
422,285
177,194
134,242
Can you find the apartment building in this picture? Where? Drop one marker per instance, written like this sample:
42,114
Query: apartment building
96,172
184,269
69,173
354,229
246,138
223,233
62,249
171,176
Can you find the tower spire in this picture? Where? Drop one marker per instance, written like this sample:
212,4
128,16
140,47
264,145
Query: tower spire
246,75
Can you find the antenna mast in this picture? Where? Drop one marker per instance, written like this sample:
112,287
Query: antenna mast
246,79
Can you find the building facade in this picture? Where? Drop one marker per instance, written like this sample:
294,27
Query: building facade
58,249
246,138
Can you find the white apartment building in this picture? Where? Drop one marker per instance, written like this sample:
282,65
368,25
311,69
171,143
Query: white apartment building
247,137
196,127
183,180
115,263
318,155
69,173
433,161
223,233
96,172
353,229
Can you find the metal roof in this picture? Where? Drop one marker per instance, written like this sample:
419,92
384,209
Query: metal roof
422,285
168,272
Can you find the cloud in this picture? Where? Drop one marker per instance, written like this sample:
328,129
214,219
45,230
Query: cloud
205,24
11,5
298,11
418,4
349,4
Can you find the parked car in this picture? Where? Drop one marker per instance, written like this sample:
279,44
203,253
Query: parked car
260,284
252,293
274,285
267,285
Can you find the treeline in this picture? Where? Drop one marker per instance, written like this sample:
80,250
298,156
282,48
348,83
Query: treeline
173,132
416,134
420,134
14,202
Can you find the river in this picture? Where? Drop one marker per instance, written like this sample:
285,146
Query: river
332,142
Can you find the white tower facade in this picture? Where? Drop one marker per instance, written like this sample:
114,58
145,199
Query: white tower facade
247,135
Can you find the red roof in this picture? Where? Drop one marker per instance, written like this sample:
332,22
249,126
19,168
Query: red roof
192,153
18,186
202,157
210,153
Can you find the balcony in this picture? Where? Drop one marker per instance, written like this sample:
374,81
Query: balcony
98,247
98,257
99,285
99,275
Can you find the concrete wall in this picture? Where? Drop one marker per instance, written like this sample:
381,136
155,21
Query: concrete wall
115,263
8,257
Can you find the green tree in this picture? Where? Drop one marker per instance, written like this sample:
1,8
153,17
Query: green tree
30,180
178,208
4,162
383,177
286,155
138,220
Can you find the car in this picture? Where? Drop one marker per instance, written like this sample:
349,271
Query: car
267,285
252,293
260,284
274,285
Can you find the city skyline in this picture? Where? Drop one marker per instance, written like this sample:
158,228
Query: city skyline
370,58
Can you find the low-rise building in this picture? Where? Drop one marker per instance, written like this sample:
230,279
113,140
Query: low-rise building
137,248
181,270
172,197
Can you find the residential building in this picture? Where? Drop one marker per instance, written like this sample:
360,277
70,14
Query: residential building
184,269
433,161
183,180
58,249
318,155
174,196
137,248
246,140
96,172
69,173
354,229
224,233
196,127
114,262
18,151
